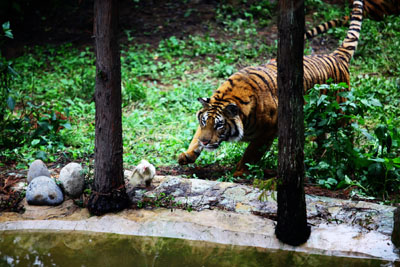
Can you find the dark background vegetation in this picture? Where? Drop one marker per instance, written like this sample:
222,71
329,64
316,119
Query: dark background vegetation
56,22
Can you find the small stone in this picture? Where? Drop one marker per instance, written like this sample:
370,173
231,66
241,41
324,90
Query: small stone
396,227
36,169
44,191
72,179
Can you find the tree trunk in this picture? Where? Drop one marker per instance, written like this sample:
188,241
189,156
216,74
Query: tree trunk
292,225
109,188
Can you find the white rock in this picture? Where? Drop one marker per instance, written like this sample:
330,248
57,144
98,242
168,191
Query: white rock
72,179
36,169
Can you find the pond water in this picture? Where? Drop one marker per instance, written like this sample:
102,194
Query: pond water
63,248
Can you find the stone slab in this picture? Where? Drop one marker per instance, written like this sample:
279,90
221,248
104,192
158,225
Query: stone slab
223,227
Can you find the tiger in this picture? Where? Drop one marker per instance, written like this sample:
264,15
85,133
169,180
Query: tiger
245,106
377,9
324,27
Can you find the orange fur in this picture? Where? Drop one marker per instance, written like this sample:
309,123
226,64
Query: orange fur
377,9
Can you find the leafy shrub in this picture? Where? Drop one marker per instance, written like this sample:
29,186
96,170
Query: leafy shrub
350,155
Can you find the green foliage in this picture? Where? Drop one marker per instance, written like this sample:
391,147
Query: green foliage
133,90
350,155
39,125
244,13
323,12
378,48
267,188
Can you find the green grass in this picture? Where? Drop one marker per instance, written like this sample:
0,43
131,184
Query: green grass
160,86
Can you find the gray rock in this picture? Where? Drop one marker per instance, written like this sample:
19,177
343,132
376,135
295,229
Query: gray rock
72,179
36,169
44,191
201,195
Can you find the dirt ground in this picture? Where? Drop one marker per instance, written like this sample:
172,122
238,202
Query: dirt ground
147,21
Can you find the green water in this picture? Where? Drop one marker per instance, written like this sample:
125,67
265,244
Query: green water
95,249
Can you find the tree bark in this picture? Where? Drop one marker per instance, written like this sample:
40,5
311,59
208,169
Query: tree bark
292,225
109,192
396,228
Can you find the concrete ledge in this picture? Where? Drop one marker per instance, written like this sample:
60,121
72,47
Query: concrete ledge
225,228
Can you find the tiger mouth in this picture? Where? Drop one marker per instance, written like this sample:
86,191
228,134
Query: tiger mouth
210,147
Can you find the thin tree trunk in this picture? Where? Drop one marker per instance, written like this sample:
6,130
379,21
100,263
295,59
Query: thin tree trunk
292,225
109,191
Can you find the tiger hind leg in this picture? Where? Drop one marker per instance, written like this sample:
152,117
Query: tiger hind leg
253,154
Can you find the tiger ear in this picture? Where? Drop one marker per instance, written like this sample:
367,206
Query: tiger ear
231,110
205,101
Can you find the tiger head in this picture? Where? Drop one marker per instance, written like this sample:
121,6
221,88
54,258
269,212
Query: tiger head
219,121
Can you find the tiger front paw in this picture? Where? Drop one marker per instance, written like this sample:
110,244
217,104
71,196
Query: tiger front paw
185,158
241,170
241,173
238,173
